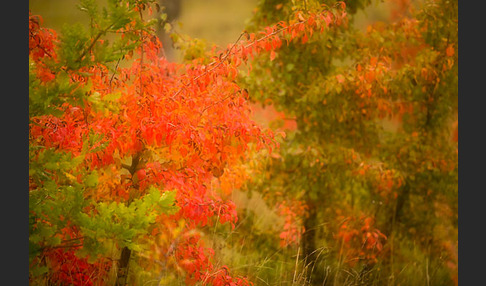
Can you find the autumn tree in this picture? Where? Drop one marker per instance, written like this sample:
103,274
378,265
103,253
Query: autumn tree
374,154
127,149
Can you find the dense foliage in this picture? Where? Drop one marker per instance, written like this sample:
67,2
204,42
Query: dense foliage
144,171
368,177
132,157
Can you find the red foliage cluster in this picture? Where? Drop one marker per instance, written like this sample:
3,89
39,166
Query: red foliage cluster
292,212
41,44
186,122
361,240
71,270
41,40
222,277
195,260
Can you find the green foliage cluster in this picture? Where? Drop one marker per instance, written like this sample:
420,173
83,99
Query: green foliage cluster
80,48
341,132
122,224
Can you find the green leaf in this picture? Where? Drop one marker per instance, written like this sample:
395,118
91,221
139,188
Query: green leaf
91,180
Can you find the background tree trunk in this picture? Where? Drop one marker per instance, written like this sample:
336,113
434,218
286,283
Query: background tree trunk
309,237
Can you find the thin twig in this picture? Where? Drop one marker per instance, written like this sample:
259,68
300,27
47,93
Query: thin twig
230,52
215,103
100,33
222,59
114,72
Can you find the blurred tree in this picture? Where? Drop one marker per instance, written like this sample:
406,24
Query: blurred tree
374,156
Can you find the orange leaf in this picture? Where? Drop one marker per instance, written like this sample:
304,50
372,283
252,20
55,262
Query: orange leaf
272,55
305,39
450,51
301,17
373,61
340,78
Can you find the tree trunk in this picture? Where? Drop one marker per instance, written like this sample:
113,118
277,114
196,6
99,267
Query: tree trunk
389,229
121,279
397,211
309,237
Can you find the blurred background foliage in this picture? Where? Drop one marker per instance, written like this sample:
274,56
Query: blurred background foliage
378,179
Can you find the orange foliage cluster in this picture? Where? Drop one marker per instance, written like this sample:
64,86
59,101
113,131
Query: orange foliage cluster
361,241
369,77
373,75
186,122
